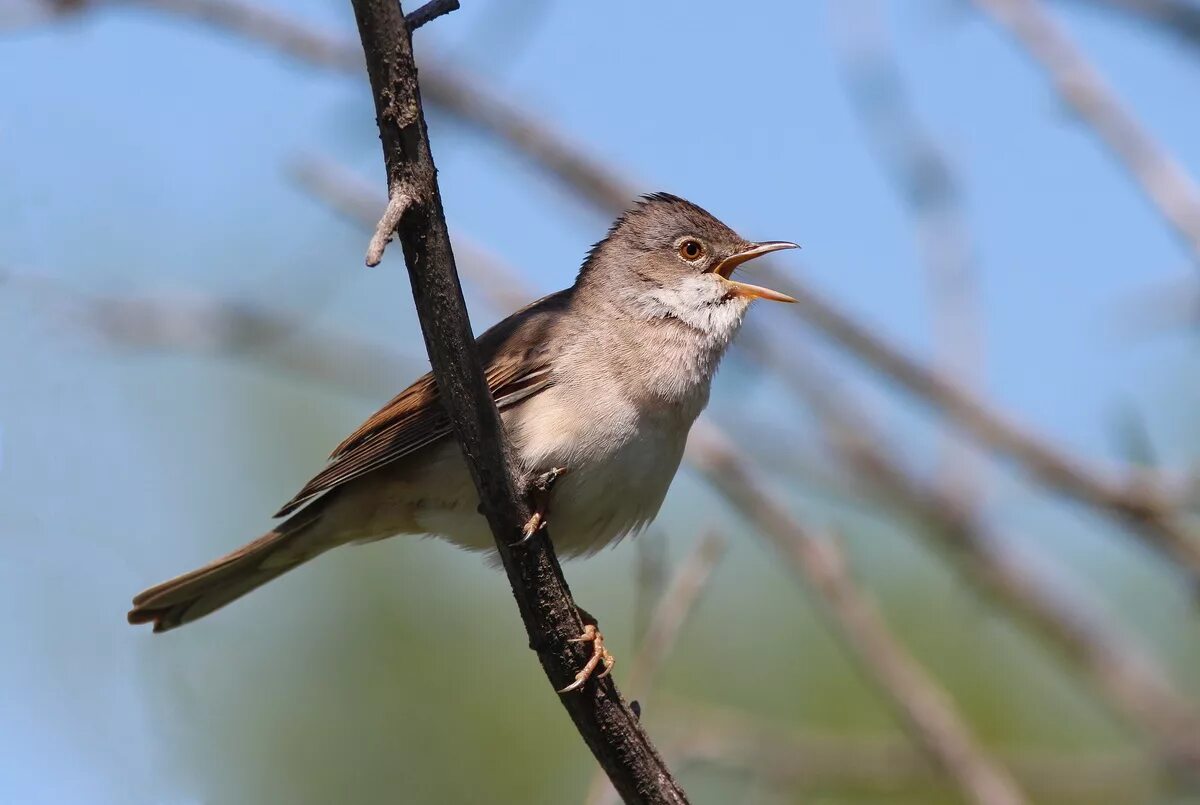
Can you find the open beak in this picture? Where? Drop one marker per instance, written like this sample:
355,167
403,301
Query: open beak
725,268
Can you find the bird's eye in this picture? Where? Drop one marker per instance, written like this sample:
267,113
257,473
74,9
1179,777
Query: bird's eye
691,249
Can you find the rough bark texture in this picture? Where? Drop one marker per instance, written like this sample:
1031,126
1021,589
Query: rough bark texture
551,618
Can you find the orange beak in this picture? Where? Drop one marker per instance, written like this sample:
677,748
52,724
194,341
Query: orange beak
725,268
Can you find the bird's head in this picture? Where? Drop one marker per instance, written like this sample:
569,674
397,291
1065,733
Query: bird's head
668,258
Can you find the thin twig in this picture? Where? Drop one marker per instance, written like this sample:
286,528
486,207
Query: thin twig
666,623
1161,177
386,227
924,708
429,12
1143,507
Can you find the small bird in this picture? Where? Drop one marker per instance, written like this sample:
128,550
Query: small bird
597,386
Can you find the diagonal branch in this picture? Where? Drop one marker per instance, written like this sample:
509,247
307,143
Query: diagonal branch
1113,665
924,708
551,618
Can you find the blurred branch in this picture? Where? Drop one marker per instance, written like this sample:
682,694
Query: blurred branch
671,613
1160,176
604,721
925,181
790,760
1142,507
1115,667
1179,18
649,579
660,638
925,710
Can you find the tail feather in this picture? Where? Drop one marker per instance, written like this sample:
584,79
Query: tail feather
193,595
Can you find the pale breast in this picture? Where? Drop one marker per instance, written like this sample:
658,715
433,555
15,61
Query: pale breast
617,416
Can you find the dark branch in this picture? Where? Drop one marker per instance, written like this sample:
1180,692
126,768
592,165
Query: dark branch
429,12
551,619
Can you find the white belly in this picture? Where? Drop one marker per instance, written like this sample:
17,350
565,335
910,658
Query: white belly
618,476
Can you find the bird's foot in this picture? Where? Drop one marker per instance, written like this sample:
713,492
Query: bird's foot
600,654
539,499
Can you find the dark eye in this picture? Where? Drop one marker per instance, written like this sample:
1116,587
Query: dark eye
691,249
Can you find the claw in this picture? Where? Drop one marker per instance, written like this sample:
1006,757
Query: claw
599,655
539,494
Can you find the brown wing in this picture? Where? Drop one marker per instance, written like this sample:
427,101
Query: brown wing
516,365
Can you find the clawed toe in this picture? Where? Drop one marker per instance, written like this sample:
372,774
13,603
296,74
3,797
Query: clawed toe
600,654
539,498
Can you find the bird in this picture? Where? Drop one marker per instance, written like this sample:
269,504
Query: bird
597,387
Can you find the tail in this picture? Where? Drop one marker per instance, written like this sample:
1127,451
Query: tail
193,595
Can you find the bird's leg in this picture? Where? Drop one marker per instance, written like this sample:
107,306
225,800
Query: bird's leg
539,500
600,654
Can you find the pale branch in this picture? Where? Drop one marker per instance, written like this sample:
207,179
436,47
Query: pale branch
1161,177
1145,508
794,761
1141,506
1114,666
608,726
1118,670
671,613
923,707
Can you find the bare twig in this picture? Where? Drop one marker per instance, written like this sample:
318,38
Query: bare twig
1160,176
923,707
551,618
663,632
1142,507
429,12
386,227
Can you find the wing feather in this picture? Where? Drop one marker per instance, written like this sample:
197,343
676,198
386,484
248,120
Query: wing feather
517,366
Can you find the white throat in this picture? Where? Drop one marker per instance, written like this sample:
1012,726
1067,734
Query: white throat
702,303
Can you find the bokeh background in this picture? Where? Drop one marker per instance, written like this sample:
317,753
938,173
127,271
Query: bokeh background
186,329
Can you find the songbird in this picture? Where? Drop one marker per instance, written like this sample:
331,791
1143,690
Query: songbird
597,386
